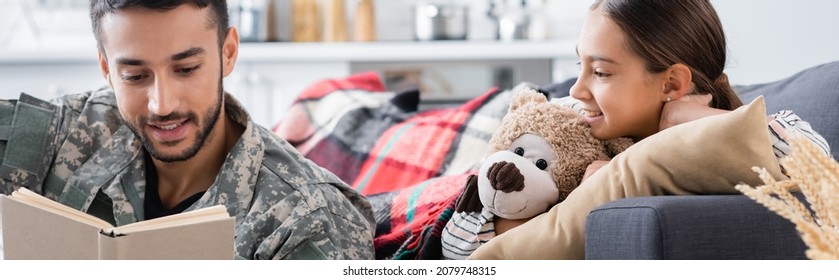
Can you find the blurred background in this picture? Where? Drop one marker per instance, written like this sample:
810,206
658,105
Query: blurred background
451,49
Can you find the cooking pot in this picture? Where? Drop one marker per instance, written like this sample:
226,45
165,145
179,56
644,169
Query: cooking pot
440,21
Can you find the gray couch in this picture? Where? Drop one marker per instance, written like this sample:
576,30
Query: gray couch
719,226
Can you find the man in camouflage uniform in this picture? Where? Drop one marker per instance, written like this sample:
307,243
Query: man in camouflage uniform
163,138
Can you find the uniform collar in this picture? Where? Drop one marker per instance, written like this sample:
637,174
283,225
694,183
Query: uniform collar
234,185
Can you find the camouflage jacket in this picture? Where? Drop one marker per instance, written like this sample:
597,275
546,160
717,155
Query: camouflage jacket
75,150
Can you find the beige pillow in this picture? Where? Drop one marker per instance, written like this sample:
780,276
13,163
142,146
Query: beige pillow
706,156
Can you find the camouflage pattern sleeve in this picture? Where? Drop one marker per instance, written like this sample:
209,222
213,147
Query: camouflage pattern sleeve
325,235
7,111
315,222
347,233
286,206
30,132
90,120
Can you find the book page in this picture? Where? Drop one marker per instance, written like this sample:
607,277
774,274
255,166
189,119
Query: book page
34,232
217,212
26,196
206,240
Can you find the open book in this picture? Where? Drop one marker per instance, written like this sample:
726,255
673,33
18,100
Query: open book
35,227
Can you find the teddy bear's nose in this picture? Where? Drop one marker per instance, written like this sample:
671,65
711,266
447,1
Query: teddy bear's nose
505,177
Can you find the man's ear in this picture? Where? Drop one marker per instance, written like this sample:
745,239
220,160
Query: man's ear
230,50
103,66
678,82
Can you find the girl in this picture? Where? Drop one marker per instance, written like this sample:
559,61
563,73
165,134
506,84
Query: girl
646,65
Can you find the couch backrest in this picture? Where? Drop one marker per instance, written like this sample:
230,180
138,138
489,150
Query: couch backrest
813,94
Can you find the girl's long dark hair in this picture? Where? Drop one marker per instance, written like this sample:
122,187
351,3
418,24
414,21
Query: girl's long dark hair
666,32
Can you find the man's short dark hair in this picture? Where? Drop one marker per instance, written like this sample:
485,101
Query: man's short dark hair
98,9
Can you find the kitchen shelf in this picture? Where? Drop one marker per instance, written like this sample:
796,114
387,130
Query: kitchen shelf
338,52
407,51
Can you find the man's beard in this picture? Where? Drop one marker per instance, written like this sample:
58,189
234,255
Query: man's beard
210,119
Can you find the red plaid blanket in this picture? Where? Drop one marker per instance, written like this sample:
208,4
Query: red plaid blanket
409,222
411,164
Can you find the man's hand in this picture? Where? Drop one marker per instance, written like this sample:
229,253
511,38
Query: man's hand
593,167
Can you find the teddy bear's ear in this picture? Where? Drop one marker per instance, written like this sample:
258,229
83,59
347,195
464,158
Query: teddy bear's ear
524,96
617,145
469,201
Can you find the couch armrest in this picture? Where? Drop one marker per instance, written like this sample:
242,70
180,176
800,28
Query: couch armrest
690,227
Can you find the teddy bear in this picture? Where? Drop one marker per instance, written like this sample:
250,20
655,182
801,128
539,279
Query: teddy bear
538,155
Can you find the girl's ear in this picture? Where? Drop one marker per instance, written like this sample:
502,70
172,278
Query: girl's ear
678,82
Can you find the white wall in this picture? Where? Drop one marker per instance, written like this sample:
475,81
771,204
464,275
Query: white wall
772,39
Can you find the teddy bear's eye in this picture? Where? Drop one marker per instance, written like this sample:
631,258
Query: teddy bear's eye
541,164
519,151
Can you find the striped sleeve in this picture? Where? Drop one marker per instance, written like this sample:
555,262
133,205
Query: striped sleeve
465,232
785,123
